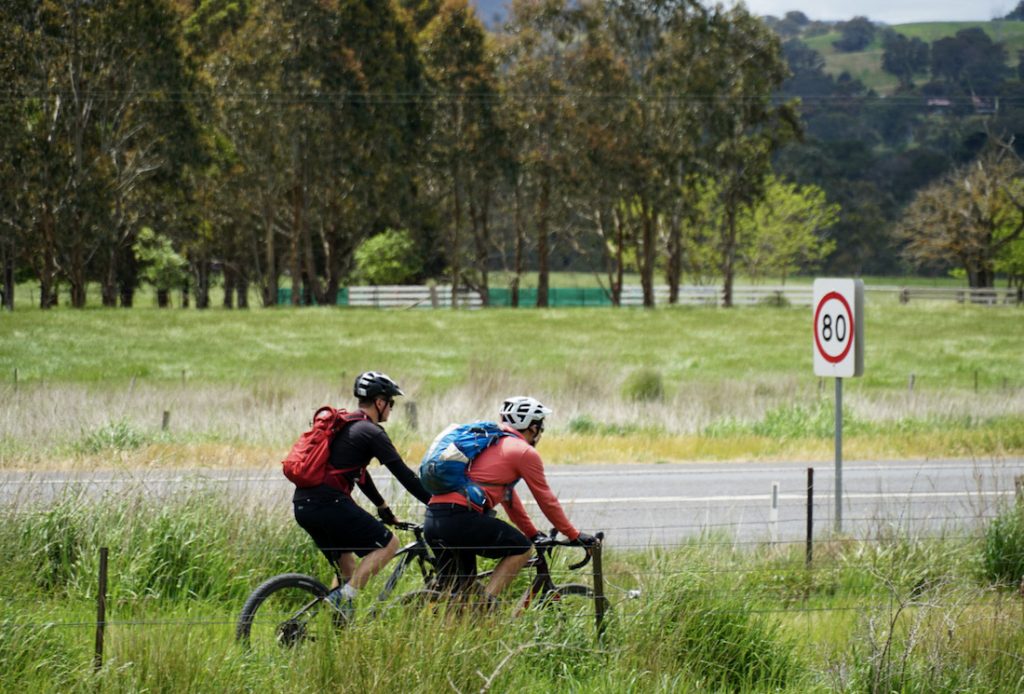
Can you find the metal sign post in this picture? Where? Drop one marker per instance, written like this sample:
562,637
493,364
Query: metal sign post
838,352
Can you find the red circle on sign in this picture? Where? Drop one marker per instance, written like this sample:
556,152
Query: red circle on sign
817,342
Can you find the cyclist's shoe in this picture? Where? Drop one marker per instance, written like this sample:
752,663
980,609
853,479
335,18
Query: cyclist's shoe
344,610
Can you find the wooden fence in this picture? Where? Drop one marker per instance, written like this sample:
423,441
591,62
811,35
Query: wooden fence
440,296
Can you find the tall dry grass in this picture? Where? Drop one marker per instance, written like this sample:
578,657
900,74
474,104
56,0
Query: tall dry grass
214,425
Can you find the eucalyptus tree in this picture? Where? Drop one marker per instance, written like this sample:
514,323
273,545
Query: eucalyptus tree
742,125
665,53
104,122
466,152
539,37
607,158
15,49
320,104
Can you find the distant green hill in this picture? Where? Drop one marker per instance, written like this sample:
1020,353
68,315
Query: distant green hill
866,65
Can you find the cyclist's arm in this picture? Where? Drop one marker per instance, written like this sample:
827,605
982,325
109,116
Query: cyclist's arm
389,457
518,515
531,470
368,488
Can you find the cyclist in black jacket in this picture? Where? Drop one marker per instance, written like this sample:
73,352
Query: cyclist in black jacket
340,527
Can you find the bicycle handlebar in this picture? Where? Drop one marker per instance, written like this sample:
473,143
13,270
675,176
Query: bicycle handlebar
550,541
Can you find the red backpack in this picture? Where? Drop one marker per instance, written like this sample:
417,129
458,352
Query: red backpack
306,464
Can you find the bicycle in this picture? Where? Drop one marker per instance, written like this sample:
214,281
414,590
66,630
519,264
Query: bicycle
571,599
291,608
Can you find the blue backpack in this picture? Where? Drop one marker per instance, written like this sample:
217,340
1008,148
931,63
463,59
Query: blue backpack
445,466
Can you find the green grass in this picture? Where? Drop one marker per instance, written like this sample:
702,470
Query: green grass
943,344
672,384
866,65
887,614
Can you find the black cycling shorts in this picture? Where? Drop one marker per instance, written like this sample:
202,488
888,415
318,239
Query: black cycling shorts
459,534
339,525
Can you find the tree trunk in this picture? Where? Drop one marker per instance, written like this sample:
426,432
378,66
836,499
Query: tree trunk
163,298
613,259
647,253
202,288
76,275
48,271
456,234
314,292
185,293
543,211
269,284
675,260
296,261
8,271
108,290
480,213
229,285
520,242
127,275
729,255
242,289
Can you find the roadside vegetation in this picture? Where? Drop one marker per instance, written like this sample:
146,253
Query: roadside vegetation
878,614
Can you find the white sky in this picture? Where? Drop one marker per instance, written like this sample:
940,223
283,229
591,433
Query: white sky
892,12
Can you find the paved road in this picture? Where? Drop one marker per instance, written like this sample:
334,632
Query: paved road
641,505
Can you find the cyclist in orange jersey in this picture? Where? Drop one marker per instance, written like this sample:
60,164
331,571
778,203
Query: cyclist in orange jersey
459,534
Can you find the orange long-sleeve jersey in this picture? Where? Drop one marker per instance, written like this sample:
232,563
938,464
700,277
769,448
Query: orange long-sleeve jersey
498,468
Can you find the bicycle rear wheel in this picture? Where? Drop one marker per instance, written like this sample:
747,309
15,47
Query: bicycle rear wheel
285,611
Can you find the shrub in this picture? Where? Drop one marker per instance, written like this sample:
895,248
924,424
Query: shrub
644,385
1003,551
388,258
118,436
719,641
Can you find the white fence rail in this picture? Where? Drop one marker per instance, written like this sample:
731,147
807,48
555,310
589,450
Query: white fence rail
412,296
440,296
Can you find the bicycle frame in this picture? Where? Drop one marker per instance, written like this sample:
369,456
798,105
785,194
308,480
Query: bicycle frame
418,551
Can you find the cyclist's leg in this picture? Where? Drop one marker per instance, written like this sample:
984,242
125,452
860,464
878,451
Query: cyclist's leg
495,539
345,566
505,571
372,563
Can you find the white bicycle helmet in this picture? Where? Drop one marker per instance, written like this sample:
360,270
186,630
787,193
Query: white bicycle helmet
520,412
373,384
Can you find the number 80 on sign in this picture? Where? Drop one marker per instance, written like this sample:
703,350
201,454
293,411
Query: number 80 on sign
838,327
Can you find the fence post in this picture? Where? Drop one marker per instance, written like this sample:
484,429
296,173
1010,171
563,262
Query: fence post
810,516
910,383
166,422
15,380
773,514
413,415
599,601
101,609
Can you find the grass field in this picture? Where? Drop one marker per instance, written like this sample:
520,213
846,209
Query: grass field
866,65
626,385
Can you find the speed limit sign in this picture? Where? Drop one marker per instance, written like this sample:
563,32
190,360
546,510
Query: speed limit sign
838,327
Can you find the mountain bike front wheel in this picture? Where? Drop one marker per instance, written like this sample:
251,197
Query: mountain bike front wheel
571,602
285,611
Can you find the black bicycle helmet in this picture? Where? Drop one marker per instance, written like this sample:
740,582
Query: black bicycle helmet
374,384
